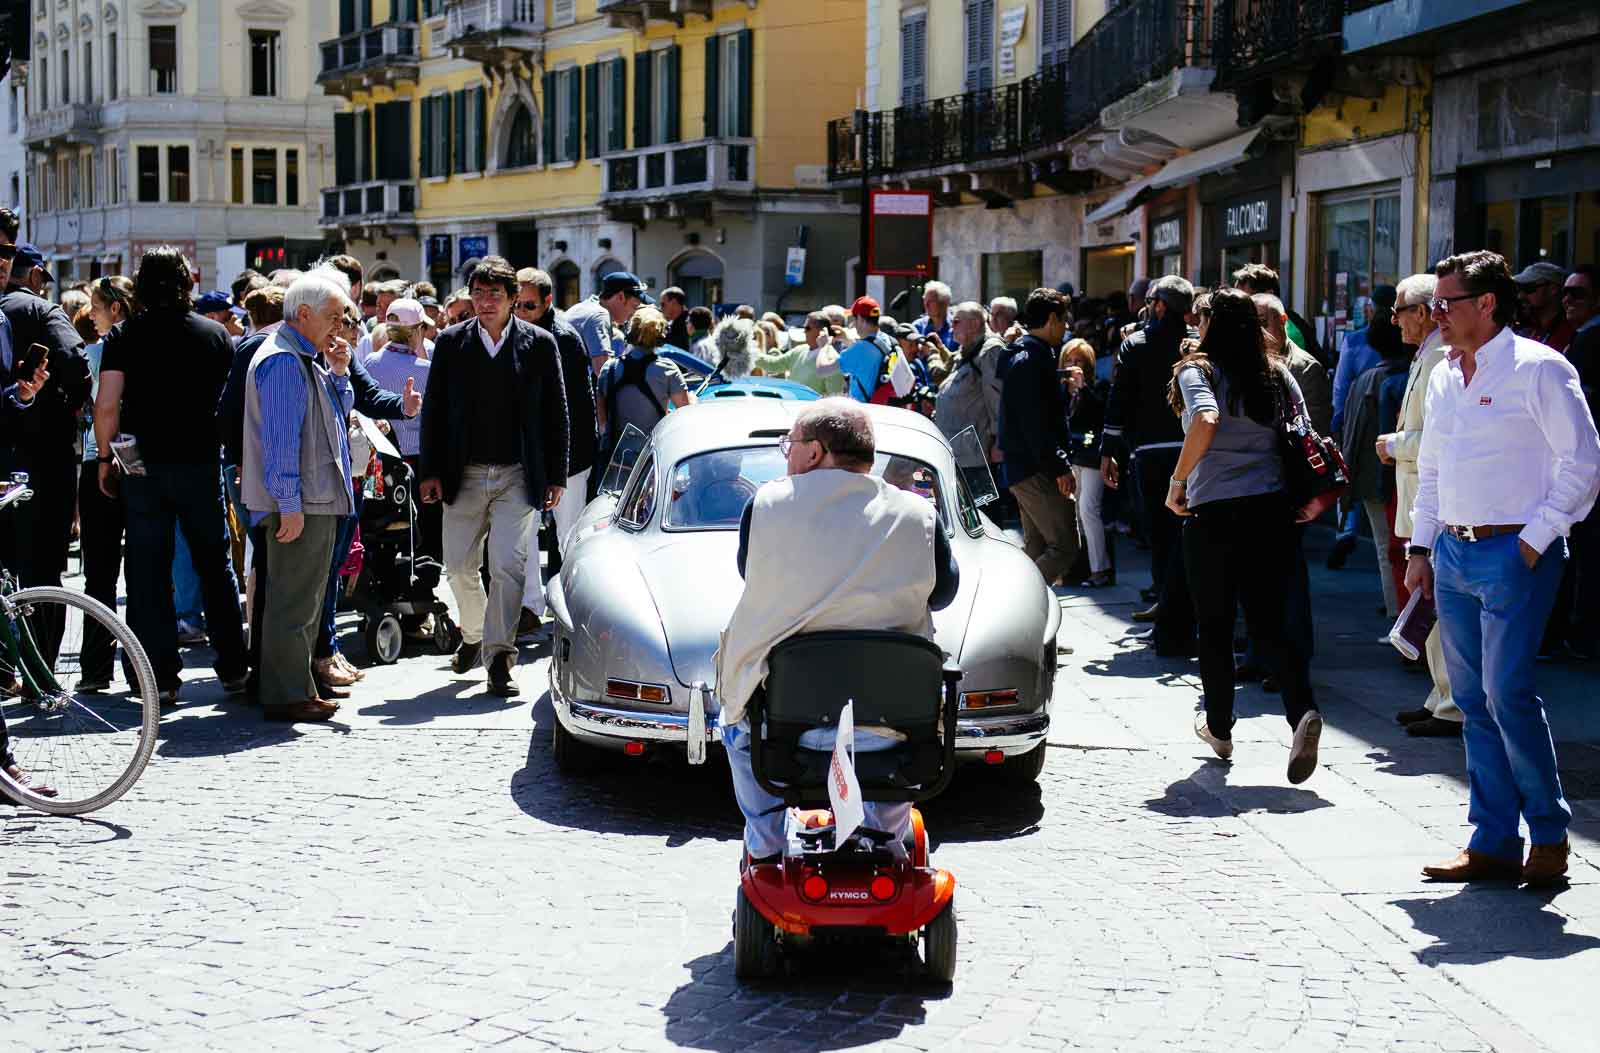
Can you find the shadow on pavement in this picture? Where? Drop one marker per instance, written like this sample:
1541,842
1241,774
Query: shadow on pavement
839,998
447,701
1487,924
1188,799
66,832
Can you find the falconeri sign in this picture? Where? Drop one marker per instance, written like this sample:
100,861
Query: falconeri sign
1247,219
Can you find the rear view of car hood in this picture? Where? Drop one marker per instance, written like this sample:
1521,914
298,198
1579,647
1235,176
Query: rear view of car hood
695,583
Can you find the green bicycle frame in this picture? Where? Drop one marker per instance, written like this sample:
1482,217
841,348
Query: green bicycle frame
19,650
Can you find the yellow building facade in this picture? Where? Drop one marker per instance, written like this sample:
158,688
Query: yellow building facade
679,139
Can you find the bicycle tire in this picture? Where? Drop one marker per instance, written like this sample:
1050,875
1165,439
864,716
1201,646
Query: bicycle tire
145,691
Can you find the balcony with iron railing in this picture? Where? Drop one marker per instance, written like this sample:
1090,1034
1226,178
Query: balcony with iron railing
633,14
379,203
383,54
1259,38
496,33
700,168
74,123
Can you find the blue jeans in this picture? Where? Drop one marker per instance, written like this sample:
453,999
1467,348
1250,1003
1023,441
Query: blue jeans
1349,522
764,813
186,599
1492,611
155,505
327,635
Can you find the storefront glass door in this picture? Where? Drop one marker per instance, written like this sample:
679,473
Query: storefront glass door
1358,248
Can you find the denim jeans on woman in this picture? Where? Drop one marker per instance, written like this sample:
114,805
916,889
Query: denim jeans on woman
1243,550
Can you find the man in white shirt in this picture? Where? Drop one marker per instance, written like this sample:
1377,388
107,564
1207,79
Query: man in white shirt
1509,462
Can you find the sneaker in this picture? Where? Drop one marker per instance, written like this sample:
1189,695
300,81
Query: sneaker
1303,752
190,634
1221,747
466,657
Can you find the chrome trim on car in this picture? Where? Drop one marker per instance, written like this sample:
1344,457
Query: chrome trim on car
619,725
1013,733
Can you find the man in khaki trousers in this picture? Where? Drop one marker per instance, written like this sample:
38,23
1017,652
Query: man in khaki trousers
1438,717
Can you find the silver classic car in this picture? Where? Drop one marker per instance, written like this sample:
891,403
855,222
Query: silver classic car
651,579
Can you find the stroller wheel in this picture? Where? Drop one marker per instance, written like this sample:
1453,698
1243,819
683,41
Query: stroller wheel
446,637
384,639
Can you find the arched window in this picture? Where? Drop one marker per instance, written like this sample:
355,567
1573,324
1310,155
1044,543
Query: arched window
522,144
565,277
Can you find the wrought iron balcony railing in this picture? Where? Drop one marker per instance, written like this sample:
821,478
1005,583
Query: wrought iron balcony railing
1255,38
700,166
1135,43
365,204
379,55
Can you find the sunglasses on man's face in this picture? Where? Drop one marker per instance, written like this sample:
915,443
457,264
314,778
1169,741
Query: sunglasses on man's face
528,305
8,252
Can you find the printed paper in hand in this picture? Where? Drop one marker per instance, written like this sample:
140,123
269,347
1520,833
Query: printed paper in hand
844,792
1411,629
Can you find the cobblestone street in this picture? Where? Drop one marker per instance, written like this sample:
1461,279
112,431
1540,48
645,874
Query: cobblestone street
418,875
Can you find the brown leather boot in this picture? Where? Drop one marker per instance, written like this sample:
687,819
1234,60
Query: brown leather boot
1547,864
1475,866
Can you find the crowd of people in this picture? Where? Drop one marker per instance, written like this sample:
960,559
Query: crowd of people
1463,404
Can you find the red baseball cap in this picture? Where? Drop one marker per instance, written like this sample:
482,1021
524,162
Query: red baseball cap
865,307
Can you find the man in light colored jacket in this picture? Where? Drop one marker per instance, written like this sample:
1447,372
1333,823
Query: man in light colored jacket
1438,717
970,395
885,565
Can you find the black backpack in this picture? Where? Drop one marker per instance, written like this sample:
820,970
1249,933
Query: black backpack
633,374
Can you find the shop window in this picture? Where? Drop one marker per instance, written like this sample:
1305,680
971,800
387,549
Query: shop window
1358,248
1013,274
566,279
1559,228
1107,269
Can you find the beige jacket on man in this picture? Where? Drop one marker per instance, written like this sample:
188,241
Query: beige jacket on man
1408,430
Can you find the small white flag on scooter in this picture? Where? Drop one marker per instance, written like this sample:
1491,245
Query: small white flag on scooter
844,792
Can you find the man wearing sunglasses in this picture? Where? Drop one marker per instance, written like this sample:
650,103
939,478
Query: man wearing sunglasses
1539,289
1509,462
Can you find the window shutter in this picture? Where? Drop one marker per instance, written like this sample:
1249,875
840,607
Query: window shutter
591,108
483,128
394,140
426,158
364,146
642,82
1055,31
713,85
672,56
344,148
619,105
746,84
364,8
549,118
347,17
980,45
458,162
913,61
574,93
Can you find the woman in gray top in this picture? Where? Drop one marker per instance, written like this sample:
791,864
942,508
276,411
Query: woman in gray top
639,388
1239,541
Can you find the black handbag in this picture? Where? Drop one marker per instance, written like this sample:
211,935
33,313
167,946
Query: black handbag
1315,474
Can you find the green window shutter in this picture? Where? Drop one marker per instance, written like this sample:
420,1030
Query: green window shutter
483,128
344,148
574,93
746,83
393,139
591,109
619,105
642,81
426,166
713,84
672,56
459,160
364,141
549,117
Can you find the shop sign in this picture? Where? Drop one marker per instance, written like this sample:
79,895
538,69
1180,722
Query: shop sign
1250,218
1167,234
473,248
439,248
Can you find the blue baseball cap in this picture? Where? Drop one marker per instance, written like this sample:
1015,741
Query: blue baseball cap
623,281
29,256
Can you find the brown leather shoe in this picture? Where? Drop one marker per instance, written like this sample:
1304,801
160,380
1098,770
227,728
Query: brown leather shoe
1475,866
1147,615
1547,864
311,710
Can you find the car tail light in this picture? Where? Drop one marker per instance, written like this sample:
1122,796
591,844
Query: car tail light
882,888
994,757
637,692
971,700
814,887
633,749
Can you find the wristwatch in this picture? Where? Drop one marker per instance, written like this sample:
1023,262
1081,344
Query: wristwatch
1417,550
105,460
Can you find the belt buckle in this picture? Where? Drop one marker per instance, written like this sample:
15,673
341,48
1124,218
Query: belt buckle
1466,533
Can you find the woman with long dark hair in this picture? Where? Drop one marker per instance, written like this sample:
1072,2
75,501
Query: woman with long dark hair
1238,536
161,372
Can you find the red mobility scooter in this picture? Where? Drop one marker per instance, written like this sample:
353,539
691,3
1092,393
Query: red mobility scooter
874,885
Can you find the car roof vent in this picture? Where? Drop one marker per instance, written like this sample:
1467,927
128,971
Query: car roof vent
769,433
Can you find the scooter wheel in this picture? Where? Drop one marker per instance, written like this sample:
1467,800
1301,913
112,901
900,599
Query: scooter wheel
939,945
755,946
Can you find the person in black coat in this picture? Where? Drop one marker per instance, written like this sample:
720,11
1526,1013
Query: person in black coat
494,450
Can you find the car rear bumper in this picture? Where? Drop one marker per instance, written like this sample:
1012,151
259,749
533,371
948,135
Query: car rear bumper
1011,733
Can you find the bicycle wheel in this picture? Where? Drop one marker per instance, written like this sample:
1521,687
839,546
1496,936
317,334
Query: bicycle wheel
88,747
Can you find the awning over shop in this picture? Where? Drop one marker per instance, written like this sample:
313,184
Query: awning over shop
1177,172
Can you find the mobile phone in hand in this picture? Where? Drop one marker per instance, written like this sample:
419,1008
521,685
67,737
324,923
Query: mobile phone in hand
32,359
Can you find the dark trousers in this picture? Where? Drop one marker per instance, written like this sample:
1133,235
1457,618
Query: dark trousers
100,524
292,608
34,537
430,524
1174,626
190,496
1575,618
1243,550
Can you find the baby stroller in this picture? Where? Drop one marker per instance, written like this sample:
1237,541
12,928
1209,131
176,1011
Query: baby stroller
394,591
